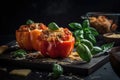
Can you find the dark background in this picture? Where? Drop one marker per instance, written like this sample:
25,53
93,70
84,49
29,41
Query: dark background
15,13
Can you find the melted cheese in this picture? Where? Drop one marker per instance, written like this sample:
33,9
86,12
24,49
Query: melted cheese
57,35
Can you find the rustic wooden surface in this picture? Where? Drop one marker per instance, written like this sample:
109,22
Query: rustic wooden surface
45,64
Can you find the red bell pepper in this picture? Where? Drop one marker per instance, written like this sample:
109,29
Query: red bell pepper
58,43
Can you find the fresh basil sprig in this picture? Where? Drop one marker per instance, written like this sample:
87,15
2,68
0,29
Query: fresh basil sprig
85,37
84,31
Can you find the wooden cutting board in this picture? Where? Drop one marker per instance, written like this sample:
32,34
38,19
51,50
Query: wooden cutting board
45,64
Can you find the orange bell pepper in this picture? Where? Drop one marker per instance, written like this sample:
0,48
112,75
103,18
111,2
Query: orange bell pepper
27,35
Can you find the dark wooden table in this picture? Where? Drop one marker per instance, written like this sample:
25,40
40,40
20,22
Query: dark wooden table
103,73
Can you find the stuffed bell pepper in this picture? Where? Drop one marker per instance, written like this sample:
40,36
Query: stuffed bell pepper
56,42
27,35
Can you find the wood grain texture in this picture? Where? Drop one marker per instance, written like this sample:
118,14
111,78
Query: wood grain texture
45,64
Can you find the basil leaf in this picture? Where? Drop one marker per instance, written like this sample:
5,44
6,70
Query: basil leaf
57,70
78,34
91,38
19,53
84,52
107,46
87,43
96,50
75,26
86,24
53,26
93,31
87,31
29,21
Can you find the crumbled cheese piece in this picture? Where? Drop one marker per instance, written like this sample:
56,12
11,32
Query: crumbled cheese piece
20,72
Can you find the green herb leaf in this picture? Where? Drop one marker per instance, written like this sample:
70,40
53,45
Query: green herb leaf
29,21
19,53
87,43
107,46
75,26
77,43
87,31
85,39
57,70
78,34
84,52
86,24
96,50
53,26
91,38
93,31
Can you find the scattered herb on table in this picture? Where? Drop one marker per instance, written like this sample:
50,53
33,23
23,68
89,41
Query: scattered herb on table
57,70
20,53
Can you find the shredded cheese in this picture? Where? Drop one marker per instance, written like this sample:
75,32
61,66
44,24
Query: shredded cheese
57,35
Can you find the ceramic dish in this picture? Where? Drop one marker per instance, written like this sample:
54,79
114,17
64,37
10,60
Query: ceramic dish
104,22
112,37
